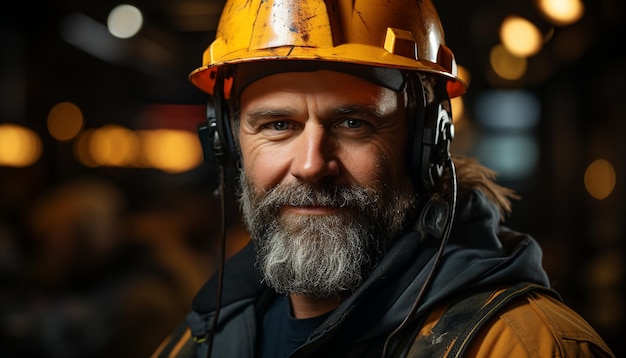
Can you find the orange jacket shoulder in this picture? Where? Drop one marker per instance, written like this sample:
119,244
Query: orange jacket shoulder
538,325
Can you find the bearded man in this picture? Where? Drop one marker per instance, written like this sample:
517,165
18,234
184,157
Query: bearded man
368,238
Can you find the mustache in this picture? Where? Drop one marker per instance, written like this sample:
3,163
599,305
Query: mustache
338,196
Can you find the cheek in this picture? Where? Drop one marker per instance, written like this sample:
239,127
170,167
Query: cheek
397,164
263,165
384,165
365,169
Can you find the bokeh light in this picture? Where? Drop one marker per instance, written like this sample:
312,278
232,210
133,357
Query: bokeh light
114,145
65,120
520,36
508,110
514,156
124,21
81,149
171,151
562,12
600,179
505,64
19,146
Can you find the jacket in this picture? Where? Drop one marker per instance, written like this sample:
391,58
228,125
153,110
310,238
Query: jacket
481,256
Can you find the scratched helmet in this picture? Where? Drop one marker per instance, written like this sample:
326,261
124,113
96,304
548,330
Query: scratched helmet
401,34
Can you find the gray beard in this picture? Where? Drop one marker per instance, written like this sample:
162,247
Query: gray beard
323,255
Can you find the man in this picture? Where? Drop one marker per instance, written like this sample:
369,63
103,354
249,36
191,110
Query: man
368,240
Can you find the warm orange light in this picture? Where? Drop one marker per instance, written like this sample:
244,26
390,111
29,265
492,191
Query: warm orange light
81,149
65,120
562,12
19,146
113,145
520,36
171,151
600,179
505,64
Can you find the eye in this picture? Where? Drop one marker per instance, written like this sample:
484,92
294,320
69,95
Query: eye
279,125
354,128
352,123
277,129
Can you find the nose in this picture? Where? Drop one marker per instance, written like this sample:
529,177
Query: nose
314,155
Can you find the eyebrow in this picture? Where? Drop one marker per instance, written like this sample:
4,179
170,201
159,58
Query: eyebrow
267,113
365,111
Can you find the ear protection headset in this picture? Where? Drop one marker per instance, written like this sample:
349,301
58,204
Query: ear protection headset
432,133
429,150
216,138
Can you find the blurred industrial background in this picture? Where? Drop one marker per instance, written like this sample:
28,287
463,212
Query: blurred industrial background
108,224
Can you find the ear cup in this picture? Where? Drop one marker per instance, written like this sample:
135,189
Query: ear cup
215,133
432,135
224,136
213,145
206,132
437,135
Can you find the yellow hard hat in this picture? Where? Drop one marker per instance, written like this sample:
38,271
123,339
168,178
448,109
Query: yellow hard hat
401,34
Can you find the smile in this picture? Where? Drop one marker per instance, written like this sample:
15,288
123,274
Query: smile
312,210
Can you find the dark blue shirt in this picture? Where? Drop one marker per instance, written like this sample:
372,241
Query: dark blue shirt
282,333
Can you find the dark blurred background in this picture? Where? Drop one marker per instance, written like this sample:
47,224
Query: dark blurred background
108,222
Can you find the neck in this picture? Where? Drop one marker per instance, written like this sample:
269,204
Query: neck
308,307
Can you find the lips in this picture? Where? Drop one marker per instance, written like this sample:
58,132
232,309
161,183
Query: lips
312,209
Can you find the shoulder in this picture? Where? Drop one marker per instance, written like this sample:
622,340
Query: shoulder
538,325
